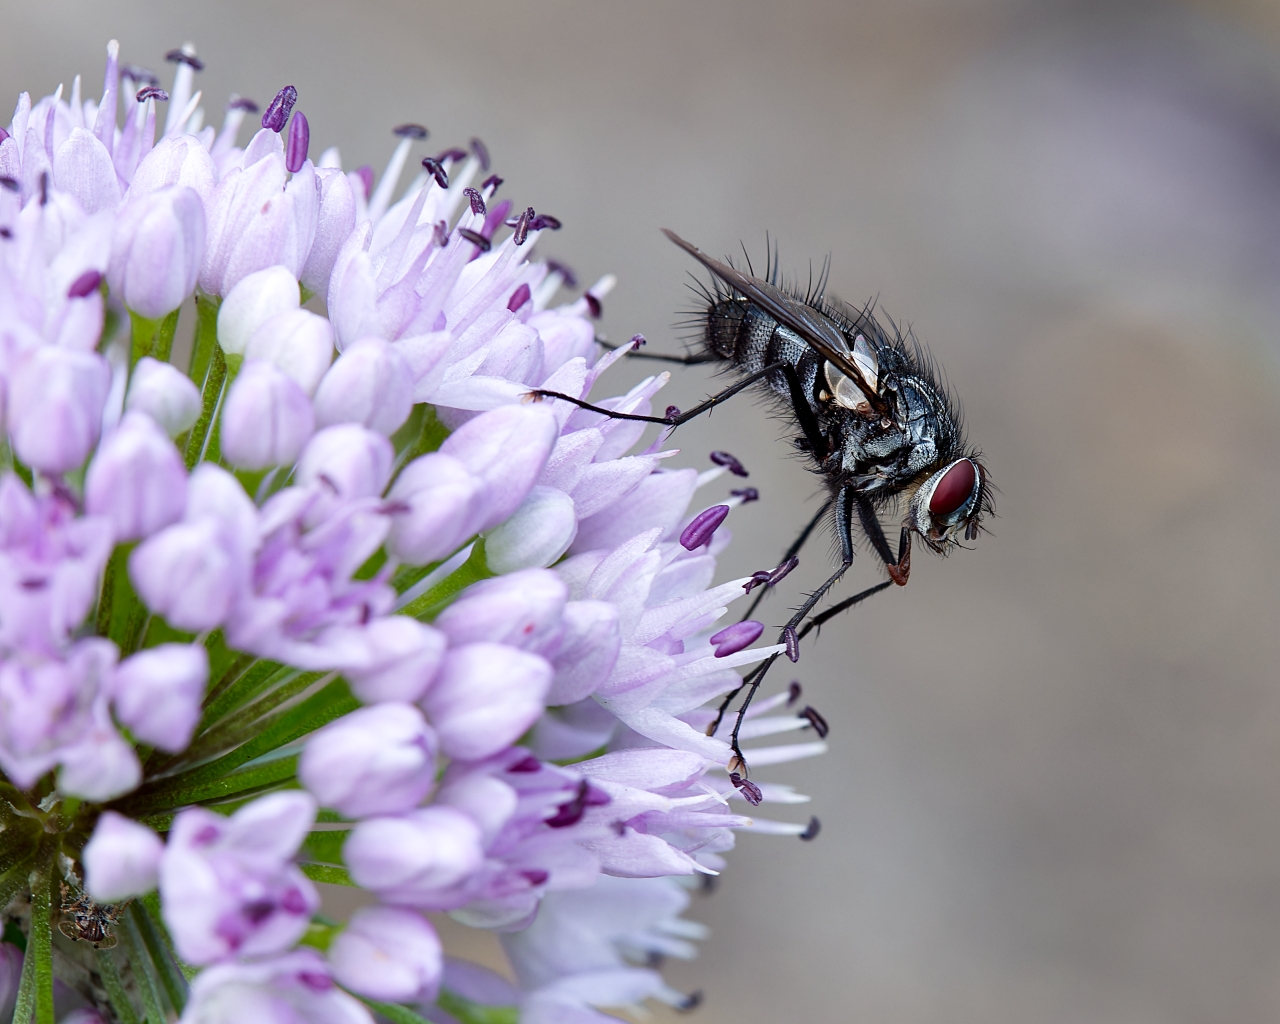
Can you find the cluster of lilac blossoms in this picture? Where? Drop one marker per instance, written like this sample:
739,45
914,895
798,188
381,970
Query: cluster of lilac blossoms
325,597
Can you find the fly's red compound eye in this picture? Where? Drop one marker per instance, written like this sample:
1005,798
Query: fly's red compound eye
953,489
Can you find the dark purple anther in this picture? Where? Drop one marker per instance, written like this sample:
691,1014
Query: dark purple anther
526,764
816,720
793,644
243,103
152,92
593,305
811,832
749,790
277,115
491,183
482,153
570,813
782,570
190,59
44,188
729,462
440,233
84,284
409,131
759,578
451,155
522,226
5,233
570,278
535,876
10,183
137,73
316,981
544,222
365,174
746,494
295,153
638,341
477,201
703,526
519,297
672,413
436,169
737,637
3,135
694,999
793,692
475,238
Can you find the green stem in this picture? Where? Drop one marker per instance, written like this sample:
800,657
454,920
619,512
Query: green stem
152,338
206,339
421,433
143,971
120,1001
215,379
37,969
175,985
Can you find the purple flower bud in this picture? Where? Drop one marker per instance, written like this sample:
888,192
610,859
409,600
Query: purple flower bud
588,650
407,859
228,885
156,250
177,160
703,527
56,401
279,109
136,480
254,300
156,693
401,658
521,609
735,638
388,953
121,859
537,534
370,383
298,342
729,462
164,393
299,141
485,697
506,448
335,220
378,760
283,989
435,495
189,574
266,418
348,460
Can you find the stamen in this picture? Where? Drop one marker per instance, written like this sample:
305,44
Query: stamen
477,201
556,267
759,578
691,1002
793,644
475,238
3,135
749,790
704,524
570,813
528,763
5,233
593,305
782,570
452,155
535,876
522,226
482,153
440,233
152,92
811,833
638,341
365,174
544,222
10,183
490,184
137,73
84,284
729,462
519,297
816,720
190,59
410,131
672,413
243,103
436,169
737,637
44,188
299,142
746,494
793,692
280,108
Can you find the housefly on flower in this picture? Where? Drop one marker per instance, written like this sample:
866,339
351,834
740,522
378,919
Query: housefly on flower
869,412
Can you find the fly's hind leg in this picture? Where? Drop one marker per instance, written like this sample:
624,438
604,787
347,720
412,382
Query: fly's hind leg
636,353
770,578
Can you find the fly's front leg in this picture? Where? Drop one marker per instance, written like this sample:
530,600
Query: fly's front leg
899,568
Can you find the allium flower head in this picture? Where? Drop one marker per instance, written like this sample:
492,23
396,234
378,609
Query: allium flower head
329,598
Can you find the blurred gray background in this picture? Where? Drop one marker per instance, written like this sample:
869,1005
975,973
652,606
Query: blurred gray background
1053,792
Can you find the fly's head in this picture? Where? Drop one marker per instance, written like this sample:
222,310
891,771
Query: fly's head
948,507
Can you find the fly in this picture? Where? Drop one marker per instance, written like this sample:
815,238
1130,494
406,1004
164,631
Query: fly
870,414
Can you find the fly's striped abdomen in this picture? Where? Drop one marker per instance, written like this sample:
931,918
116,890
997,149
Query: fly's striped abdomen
750,339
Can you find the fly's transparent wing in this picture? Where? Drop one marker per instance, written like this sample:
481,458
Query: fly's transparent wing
807,322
